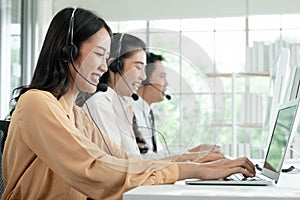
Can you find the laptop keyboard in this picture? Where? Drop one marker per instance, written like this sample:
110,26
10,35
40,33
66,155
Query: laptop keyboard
240,177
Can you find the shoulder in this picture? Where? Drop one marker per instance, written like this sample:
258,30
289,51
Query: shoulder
36,97
37,102
37,105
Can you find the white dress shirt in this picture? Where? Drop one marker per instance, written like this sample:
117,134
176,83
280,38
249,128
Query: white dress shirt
114,116
141,111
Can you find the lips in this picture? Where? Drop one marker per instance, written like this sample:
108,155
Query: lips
95,77
163,90
136,85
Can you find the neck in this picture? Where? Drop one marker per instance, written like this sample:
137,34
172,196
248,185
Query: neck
71,96
143,93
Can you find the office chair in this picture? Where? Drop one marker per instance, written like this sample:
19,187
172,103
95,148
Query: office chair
3,134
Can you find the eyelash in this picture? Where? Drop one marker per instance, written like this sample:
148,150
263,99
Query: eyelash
139,68
101,54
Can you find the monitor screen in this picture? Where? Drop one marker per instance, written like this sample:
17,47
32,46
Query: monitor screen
280,138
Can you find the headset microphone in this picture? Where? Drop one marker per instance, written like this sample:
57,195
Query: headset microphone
73,65
102,87
166,95
134,96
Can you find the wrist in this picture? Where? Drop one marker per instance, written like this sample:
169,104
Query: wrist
188,170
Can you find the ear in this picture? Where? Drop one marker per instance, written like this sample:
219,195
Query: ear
110,60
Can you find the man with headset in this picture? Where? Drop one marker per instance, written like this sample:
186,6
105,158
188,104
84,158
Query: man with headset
153,91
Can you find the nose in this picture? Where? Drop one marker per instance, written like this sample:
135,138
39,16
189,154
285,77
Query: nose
143,75
166,83
103,67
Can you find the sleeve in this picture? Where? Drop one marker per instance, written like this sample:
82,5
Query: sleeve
51,135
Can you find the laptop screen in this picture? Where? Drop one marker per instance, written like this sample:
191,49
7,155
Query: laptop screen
280,138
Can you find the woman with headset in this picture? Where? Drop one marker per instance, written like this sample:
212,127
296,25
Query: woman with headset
124,77
111,110
53,148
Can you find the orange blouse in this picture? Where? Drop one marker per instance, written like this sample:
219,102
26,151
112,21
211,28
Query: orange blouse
46,156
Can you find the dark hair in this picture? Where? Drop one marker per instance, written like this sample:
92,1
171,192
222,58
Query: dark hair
150,67
52,71
129,46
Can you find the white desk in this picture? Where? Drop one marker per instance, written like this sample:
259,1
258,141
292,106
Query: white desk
287,188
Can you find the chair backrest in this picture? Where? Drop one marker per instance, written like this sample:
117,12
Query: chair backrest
3,134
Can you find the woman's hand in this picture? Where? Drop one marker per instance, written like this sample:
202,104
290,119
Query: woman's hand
205,147
216,169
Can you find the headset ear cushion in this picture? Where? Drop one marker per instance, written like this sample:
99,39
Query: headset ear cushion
69,51
116,66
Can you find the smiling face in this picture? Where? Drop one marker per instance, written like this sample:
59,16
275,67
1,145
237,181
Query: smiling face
132,74
159,80
92,61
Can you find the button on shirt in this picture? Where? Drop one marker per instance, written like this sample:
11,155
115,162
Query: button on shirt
115,116
141,111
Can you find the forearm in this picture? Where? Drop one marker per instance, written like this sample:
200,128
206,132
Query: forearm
189,170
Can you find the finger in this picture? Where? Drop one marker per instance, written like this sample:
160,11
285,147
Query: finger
225,172
236,170
246,164
249,168
245,172
240,162
216,147
249,165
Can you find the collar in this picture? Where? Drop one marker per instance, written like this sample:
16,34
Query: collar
65,106
110,94
117,100
140,104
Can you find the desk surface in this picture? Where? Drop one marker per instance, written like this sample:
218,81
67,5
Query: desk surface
287,188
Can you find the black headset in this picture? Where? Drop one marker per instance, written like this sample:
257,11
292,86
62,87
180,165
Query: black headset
69,50
116,66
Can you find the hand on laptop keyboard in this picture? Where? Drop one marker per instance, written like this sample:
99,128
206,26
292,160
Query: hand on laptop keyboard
241,177
226,167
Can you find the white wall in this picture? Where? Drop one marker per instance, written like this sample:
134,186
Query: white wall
167,9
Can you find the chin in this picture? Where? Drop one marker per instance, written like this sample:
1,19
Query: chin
89,89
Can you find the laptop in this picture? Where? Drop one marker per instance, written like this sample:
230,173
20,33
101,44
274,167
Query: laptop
284,126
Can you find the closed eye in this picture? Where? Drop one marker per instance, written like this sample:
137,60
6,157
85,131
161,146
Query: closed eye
102,54
138,67
99,54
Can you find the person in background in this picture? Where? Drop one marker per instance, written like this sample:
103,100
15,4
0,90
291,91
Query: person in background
125,74
110,109
152,91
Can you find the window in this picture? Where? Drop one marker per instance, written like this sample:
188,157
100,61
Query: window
10,52
202,55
